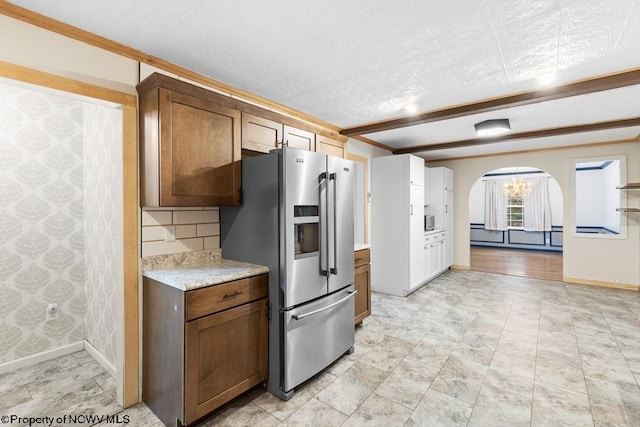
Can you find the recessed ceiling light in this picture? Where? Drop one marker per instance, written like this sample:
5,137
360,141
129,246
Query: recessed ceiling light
492,127
411,108
547,78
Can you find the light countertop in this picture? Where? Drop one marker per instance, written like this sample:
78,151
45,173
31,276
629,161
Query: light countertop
361,246
436,230
199,271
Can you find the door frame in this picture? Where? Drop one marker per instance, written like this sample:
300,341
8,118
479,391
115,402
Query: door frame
128,371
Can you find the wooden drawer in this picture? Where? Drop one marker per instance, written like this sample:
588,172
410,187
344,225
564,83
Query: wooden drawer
362,257
204,301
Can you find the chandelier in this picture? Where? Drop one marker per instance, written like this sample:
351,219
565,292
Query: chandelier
517,187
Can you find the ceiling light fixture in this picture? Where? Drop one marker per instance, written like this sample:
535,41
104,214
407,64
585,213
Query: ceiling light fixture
411,108
547,78
492,127
517,187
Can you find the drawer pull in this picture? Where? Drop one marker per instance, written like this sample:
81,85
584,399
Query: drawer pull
233,295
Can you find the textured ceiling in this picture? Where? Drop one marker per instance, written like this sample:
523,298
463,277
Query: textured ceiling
355,62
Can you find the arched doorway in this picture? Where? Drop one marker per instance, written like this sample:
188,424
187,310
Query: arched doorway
516,223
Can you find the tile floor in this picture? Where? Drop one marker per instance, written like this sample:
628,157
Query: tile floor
469,349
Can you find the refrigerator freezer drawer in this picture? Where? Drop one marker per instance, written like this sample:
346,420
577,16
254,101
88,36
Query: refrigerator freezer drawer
316,334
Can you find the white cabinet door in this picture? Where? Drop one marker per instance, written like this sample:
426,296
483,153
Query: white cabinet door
426,268
427,186
416,170
448,179
434,259
448,226
416,235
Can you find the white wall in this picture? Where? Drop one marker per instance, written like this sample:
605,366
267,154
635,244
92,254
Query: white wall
476,199
34,47
369,151
585,259
556,200
611,199
103,222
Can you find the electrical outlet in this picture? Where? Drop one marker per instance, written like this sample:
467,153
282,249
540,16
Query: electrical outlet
53,312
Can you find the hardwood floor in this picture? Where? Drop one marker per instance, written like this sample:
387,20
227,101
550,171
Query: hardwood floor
535,264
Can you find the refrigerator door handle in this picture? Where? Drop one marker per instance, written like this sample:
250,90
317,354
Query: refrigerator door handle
320,310
324,270
333,177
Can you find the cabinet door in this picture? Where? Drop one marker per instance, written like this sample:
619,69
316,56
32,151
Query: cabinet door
199,152
434,259
416,235
225,355
260,134
427,187
298,138
448,226
426,267
363,295
416,170
448,179
329,146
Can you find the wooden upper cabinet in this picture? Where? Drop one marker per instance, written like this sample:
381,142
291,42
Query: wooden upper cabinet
299,138
190,148
329,146
260,134
263,135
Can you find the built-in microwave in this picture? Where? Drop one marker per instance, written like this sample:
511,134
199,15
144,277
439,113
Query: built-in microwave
429,222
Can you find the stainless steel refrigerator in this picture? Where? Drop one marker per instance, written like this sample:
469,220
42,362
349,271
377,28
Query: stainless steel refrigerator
297,218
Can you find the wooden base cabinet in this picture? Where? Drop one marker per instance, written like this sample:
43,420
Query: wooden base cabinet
202,348
362,285
225,355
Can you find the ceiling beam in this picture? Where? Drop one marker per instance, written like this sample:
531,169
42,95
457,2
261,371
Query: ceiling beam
591,127
533,150
374,143
582,87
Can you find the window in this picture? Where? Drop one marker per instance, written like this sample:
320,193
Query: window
515,212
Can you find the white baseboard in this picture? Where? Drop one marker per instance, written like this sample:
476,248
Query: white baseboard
42,357
100,359
59,352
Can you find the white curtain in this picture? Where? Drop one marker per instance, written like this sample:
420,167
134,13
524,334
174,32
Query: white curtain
495,205
537,207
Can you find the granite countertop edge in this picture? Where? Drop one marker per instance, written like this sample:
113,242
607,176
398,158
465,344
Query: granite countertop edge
195,273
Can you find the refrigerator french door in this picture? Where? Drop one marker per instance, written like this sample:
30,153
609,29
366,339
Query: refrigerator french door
297,218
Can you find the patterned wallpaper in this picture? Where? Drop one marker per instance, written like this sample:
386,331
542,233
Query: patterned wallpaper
42,238
102,132
43,241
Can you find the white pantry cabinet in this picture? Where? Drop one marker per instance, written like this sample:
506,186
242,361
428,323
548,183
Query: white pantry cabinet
397,223
440,205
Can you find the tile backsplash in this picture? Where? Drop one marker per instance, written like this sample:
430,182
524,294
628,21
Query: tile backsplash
174,230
